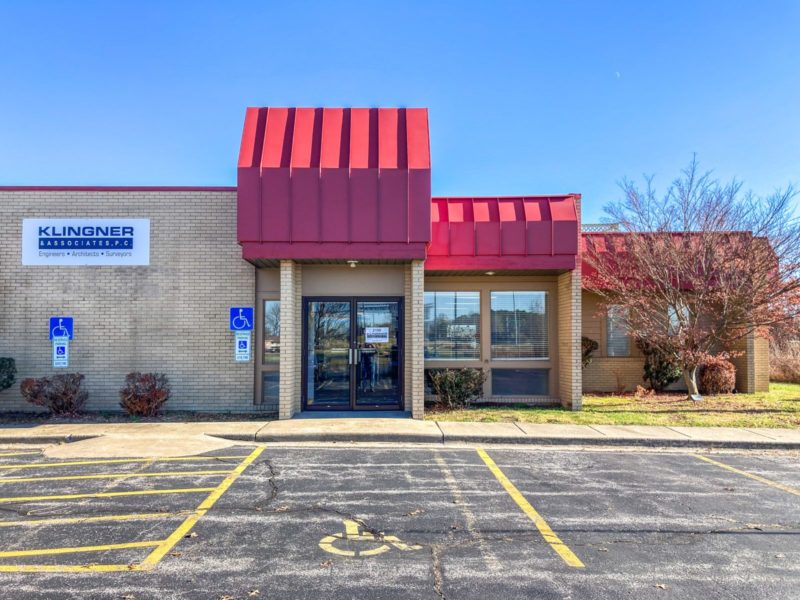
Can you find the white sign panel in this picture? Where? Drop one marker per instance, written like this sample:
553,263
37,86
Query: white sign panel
376,335
60,352
57,242
241,352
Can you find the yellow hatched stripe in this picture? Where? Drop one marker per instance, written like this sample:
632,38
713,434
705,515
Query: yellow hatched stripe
103,548
63,568
105,495
184,528
778,486
81,520
112,461
548,534
5,454
111,476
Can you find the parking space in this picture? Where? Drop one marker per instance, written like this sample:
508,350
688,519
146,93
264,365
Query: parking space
403,522
105,514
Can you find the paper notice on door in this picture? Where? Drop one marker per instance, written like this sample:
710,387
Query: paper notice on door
376,335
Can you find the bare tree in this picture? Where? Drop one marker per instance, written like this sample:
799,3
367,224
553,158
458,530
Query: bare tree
696,270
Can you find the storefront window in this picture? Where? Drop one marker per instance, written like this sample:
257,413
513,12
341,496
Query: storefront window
519,326
270,357
617,341
452,325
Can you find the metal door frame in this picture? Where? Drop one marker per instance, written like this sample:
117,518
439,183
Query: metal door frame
354,300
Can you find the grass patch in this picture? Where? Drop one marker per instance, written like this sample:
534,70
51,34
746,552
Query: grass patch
780,407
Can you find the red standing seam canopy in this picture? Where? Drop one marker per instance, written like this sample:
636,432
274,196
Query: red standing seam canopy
355,183
519,233
334,183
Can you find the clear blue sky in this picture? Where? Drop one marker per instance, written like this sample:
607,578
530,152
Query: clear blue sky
524,98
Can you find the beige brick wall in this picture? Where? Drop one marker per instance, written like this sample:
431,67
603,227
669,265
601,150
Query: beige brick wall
761,364
613,374
752,368
291,373
414,343
171,316
569,339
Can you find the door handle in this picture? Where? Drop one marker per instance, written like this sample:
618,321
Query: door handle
349,356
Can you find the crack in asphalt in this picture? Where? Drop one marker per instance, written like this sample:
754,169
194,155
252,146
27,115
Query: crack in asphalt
436,568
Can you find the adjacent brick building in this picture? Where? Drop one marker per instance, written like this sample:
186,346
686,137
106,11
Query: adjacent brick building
360,280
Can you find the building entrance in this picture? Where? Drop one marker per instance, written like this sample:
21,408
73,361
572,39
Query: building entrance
353,358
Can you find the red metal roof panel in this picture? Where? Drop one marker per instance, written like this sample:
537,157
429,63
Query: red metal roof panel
331,177
504,233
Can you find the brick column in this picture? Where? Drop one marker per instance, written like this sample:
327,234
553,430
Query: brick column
569,339
752,367
290,384
414,366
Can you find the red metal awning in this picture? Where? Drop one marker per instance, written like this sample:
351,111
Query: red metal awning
519,233
334,183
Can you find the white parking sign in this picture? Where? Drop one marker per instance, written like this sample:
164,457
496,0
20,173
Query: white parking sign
60,353
241,351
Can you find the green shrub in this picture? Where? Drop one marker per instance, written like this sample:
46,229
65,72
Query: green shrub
8,373
588,346
60,394
457,387
717,376
660,368
144,394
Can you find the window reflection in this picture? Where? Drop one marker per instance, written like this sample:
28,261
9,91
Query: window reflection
452,325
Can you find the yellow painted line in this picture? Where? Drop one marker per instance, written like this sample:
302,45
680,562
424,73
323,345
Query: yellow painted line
81,520
111,461
103,548
548,534
63,568
112,476
5,454
184,528
105,495
778,486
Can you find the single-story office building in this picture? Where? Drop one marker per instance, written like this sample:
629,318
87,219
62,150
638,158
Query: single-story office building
360,280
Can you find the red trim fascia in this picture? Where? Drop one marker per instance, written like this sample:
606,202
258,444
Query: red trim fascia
332,251
115,188
500,263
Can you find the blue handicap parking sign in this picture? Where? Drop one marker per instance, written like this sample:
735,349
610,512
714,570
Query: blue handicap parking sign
61,327
60,350
243,344
241,318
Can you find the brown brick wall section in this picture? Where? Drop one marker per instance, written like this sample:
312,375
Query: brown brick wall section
171,316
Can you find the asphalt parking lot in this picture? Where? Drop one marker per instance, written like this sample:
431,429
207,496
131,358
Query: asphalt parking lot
401,522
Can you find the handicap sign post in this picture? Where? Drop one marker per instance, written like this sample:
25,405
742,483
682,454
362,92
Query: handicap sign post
61,332
61,327
60,353
241,318
241,323
242,347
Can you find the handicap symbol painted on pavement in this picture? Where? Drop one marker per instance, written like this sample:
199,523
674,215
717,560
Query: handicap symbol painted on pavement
61,327
241,318
374,544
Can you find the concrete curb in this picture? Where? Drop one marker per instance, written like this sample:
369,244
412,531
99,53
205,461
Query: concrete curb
515,440
46,439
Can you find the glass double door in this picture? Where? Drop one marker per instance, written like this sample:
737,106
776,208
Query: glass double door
352,353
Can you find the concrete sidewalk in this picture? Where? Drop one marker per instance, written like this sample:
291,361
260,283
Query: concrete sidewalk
407,431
